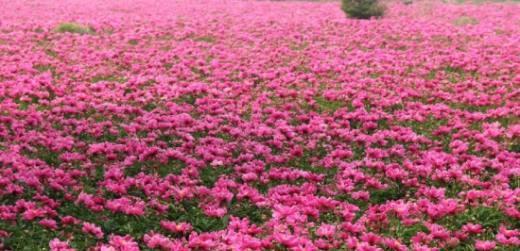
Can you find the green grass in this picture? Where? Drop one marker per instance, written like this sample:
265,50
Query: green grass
133,42
27,236
458,74
402,232
514,182
328,106
210,175
71,27
189,99
50,157
111,78
515,147
489,217
206,39
256,215
465,20
329,217
45,67
189,211
172,167
393,192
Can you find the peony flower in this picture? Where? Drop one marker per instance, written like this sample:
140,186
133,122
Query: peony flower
58,245
92,229
484,245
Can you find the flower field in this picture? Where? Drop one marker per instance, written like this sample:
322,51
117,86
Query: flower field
258,125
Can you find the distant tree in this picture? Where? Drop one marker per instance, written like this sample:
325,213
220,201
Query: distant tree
363,9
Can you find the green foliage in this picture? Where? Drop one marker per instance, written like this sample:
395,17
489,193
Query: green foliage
489,217
329,217
110,78
515,148
403,232
43,153
107,136
210,175
26,236
363,9
187,99
326,106
24,105
465,20
74,28
190,211
133,42
206,39
458,74
131,225
393,192
358,150
255,214
150,167
514,182
46,67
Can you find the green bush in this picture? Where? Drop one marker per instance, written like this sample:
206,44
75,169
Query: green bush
74,28
363,9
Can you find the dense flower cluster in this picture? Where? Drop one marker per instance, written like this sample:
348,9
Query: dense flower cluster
258,125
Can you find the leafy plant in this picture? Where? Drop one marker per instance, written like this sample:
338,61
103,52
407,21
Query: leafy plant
74,28
363,9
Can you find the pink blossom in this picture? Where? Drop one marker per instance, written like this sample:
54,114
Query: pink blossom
257,125
174,227
57,245
120,243
484,245
49,223
92,229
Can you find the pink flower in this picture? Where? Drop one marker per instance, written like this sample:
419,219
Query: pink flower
484,245
126,206
69,220
286,240
326,230
154,240
57,245
123,243
174,227
49,223
92,229
271,120
472,228
31,214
